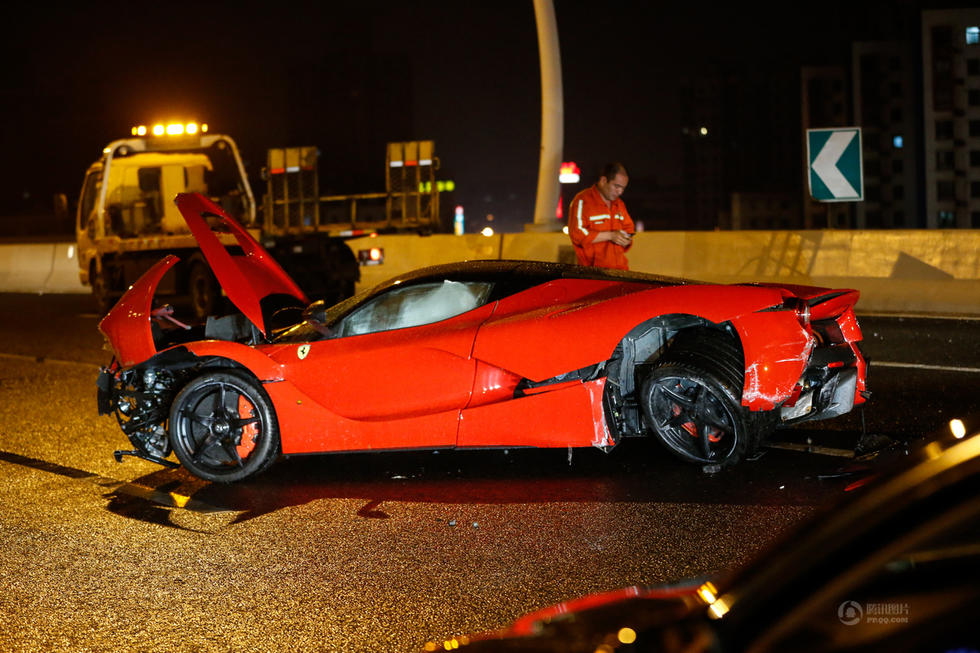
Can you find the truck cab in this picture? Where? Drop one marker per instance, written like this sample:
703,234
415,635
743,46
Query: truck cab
126,216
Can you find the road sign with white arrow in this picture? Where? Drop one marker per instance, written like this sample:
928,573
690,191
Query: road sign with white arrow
836,170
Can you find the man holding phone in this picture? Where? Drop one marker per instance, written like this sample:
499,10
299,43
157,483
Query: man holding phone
598,224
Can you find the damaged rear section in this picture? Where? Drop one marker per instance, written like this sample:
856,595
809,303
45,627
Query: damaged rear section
712,393
803,354
834,380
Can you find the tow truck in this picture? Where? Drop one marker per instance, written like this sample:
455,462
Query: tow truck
125,219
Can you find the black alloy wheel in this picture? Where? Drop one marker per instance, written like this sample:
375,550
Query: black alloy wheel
695,414
223,427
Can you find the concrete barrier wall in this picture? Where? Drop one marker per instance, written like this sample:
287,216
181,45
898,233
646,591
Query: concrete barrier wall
932,271
39,268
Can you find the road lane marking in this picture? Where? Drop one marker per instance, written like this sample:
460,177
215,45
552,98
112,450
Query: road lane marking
167,499
922,366
921,316
811,448
45,359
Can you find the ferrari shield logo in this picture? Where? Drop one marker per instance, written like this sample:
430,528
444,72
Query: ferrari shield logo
303,351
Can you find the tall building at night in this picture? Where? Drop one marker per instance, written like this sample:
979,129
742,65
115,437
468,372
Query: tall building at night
702,155
883,76
951,112
735,151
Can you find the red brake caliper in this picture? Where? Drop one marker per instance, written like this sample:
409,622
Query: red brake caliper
714,435
687,426
249,431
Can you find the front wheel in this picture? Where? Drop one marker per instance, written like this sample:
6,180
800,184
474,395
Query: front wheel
696,414
223,427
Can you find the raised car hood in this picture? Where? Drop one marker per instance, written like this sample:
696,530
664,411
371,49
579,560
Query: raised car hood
247,279
127,325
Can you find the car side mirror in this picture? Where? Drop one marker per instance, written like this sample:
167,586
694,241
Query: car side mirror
316,312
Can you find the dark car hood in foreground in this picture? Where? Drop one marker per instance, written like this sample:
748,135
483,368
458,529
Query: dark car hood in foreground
759,603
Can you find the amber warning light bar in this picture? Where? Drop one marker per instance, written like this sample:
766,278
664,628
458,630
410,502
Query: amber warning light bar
170,129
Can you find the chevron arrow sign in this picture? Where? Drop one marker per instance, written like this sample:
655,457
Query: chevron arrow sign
836,170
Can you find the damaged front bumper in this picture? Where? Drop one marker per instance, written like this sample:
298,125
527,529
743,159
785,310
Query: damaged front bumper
138,400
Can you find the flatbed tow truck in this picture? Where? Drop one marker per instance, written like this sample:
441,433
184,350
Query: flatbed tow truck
126,219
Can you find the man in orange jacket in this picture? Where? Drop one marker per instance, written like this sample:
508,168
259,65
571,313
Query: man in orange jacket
599,225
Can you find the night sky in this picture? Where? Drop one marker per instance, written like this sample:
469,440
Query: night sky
348,77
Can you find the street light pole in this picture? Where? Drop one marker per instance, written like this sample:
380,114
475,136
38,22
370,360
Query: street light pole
552,114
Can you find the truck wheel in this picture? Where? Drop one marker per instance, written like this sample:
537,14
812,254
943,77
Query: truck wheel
203,290
100,290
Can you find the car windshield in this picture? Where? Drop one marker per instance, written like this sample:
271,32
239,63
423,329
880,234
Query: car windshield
413,305
397,308
314,326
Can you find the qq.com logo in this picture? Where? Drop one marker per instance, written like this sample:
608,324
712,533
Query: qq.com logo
850,613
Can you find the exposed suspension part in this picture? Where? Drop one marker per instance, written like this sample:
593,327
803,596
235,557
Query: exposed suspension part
140,400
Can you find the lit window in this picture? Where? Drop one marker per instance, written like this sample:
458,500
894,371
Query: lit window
898,142
972,35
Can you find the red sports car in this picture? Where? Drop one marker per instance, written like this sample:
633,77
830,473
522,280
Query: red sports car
477,354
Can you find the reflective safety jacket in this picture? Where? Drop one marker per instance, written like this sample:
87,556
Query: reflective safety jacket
587,216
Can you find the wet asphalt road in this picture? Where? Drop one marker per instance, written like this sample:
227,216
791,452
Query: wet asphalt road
383,551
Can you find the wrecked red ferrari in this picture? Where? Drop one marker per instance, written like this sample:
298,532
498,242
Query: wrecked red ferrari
476,354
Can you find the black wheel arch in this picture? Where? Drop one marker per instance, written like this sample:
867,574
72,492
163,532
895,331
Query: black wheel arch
641,349
647,342
185,365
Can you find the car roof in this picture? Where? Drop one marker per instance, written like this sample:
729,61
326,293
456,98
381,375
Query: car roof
525,273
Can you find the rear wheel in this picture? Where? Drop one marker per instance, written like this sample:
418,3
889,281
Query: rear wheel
692,400
223,427
696,414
